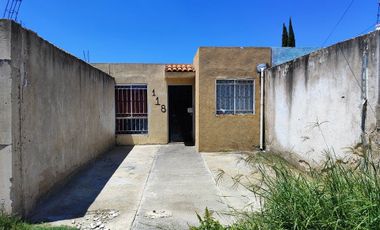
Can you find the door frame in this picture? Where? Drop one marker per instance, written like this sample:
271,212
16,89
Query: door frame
193,106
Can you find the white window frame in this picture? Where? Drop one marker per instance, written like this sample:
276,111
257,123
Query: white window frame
234,110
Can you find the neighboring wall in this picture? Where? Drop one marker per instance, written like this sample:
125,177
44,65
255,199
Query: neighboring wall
226,132
315,103
154,76
56,114
281,55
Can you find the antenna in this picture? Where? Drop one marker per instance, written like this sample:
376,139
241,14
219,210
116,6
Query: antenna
11,9
378,16
86,56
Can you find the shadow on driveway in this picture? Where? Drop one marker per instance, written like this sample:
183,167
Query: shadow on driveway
74,198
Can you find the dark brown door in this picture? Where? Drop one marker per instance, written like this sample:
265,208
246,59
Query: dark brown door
180,114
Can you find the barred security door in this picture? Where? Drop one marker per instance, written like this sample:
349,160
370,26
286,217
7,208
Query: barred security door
180,114
131,109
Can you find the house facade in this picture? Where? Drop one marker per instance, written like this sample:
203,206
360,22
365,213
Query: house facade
213,103
57,112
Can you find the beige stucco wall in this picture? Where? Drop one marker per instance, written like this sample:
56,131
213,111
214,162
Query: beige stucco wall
212,132
226,132
154,76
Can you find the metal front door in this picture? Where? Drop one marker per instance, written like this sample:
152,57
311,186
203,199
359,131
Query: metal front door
180,113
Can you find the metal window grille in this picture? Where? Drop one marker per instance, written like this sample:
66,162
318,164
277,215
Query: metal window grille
235,96
131,109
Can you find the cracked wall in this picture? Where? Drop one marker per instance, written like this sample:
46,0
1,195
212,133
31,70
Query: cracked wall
323,101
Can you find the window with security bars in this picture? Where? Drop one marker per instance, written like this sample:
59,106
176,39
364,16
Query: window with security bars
131,109
235,96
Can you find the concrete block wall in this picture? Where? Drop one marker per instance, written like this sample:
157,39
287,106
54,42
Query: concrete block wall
315,103
8,105
56,114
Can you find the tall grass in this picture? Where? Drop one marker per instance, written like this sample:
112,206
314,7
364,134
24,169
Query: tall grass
340,195
337,197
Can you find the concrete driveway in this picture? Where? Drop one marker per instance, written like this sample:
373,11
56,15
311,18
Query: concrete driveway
179,185
141,187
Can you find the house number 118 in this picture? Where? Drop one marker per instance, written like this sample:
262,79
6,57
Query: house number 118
157,101
163,107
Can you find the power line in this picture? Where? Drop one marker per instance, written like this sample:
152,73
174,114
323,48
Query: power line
378,14
354,75
339,21
6,7
86,56
375,25
11,9
367,29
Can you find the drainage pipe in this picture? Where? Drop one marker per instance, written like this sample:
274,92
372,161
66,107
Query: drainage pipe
261,69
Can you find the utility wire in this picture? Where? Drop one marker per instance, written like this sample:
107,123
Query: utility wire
339,21
6,7
17,9
378,13
344,55
354,75
11,9
367,29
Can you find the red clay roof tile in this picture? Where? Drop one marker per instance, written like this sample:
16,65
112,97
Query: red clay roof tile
179,68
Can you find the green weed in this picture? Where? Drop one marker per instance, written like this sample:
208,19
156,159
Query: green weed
339,195
13,223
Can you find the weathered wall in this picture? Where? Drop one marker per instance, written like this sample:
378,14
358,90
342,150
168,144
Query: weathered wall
154,76
281,55
5,118
315,102
62,115
226,132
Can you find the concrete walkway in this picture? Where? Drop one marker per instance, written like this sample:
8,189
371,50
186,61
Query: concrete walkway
179,185
144,187
106,193
236,196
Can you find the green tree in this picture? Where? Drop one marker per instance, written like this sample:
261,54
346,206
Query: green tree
284,36
291,37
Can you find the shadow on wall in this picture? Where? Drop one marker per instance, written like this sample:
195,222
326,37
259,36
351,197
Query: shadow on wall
75,198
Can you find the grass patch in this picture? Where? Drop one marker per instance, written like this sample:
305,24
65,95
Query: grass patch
339,195
13,223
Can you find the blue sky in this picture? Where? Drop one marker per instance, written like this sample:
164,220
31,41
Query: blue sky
169,31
